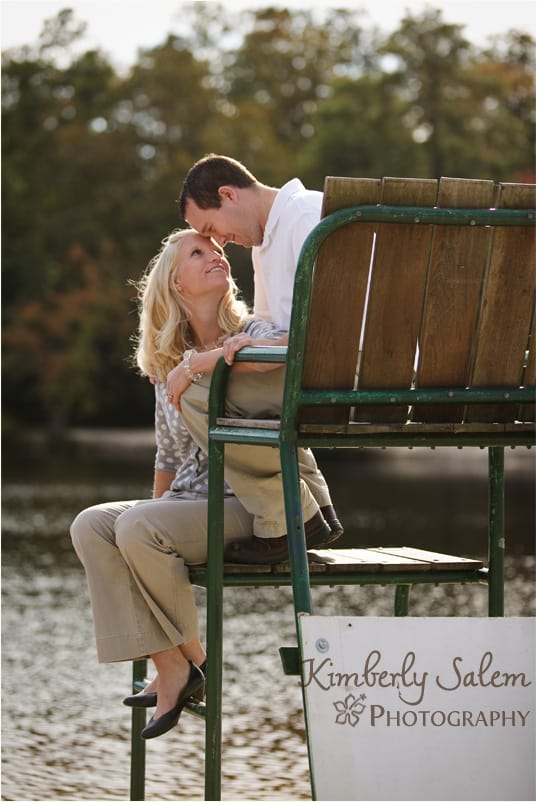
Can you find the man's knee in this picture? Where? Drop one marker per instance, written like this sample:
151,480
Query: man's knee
255,394
196,397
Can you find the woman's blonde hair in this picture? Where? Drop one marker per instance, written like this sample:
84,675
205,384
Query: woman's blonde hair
163,330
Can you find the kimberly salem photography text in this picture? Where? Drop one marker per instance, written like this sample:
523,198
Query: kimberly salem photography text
410,682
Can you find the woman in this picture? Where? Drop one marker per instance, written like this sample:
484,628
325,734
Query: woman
136,553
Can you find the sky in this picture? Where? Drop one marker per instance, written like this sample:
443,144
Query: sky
120,27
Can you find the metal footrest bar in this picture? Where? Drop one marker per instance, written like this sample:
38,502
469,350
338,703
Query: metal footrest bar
196,709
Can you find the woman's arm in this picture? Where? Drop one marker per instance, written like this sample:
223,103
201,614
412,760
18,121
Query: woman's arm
204,362
161,482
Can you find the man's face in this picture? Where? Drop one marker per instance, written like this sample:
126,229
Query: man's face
235,220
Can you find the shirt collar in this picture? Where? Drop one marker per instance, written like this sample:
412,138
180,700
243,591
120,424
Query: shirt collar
286,192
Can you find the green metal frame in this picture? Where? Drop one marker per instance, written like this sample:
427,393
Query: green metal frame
138,721
288,438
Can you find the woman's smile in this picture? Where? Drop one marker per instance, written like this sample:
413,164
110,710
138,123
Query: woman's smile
217,267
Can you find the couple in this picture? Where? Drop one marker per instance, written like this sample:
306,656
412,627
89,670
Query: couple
136,553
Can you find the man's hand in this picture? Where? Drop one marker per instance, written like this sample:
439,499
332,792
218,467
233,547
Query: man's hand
234,344
238,341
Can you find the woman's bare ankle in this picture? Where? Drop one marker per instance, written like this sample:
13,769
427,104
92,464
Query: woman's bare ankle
173,673
152,686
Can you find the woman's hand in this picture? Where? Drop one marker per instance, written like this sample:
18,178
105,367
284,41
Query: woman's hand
177,382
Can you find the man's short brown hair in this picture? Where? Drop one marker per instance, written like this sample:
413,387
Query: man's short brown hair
207,175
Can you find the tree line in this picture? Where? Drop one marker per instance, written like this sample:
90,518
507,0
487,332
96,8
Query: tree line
93,160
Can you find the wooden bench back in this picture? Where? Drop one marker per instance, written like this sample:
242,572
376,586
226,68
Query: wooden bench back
405,306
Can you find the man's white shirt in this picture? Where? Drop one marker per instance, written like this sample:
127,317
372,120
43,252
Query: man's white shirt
294,213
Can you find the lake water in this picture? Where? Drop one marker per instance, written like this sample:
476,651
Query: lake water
65,733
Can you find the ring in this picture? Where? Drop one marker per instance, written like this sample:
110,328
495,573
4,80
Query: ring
170,397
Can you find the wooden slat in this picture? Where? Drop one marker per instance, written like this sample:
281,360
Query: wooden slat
504,326
391,559
199,573
367,557
237,568
458,262
340,277
437,561
386,428
340,192
363,560
411,428
250,423
527,411
395,298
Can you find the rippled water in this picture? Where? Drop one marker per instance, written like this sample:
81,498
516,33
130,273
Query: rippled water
66,734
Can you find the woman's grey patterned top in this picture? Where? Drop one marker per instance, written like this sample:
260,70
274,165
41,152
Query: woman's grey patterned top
176,450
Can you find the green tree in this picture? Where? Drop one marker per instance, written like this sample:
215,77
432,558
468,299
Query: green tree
501,123
430,55
63,346
359,132
64,192
457,98
284,66
93,161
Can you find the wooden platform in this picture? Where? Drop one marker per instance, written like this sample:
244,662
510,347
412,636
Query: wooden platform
382,559
394,558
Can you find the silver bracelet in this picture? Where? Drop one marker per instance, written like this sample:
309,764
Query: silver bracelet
193,377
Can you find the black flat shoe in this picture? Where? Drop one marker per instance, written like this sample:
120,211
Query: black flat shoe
158,726
150,699
141,699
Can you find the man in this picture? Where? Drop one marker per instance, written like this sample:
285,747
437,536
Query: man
221,199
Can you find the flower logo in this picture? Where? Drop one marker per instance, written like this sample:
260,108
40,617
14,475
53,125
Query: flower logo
350,710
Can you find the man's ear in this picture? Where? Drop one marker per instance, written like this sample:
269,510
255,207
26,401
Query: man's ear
228,192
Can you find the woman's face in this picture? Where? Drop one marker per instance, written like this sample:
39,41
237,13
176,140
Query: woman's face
202,269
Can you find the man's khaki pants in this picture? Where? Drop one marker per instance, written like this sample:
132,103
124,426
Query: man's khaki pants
254,472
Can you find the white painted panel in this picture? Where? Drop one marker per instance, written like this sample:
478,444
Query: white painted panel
420,708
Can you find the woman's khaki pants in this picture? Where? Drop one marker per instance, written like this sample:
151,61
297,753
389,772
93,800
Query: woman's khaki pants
135,554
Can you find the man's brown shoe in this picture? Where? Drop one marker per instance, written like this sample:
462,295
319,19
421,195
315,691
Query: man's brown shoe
272,550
